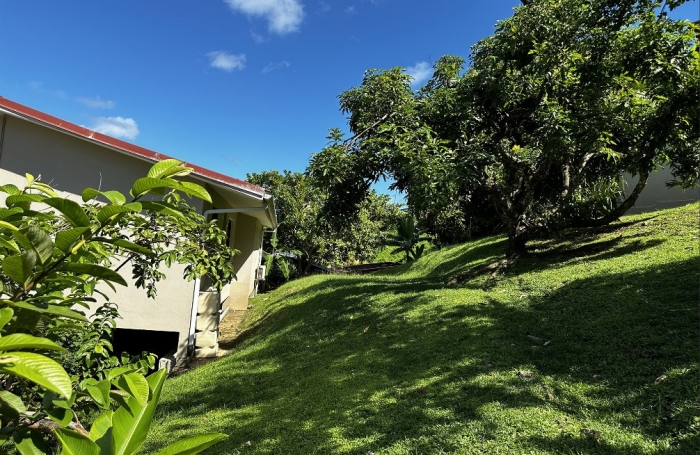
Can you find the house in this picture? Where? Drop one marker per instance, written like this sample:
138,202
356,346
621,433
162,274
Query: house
656,195
183,319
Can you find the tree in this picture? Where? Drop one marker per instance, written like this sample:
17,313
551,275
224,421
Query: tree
555,106
55,255
305,229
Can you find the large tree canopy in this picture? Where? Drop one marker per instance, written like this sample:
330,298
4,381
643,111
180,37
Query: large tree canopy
565,97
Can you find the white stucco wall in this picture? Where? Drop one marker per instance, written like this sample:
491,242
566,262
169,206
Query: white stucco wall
656,195
70,165
247,239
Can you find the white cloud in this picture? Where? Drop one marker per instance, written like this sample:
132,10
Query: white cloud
283,16
125,128
350,10
420,72
258,38
96,102
276,66
225,61
41,88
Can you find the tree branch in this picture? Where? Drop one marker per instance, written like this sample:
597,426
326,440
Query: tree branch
350,141
48,426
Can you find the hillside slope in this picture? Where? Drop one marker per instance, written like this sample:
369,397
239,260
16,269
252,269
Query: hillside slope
590,344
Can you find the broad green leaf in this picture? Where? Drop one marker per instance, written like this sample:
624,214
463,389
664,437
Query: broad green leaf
8,226
101,433
131,246
192,189
10,245
161,168
134,384
24,341
75,214
109,211
51,400
131,428
5,316
22,240
60,415
41,243
22,198
127,245
100,393
66,239
193,444
48,309
29,442
74,443
118,371
115,197
41,370
90,193
44,188
145,185
161,207
19,268
96,271
11,405
7,358
4,213
177,171
10,189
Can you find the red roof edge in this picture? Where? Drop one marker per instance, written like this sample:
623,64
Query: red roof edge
123,146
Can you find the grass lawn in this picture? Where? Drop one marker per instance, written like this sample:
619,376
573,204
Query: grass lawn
403,363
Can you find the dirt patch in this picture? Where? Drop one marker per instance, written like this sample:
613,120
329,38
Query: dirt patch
229,328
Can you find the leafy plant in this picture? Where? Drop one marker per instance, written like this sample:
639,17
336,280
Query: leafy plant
407,239
123,431
55,260
278,260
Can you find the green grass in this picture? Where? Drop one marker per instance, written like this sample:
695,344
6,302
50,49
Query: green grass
401,363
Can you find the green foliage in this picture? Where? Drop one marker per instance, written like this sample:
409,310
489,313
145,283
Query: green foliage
407,239
122,432
89,349
54,261
306,233
534,135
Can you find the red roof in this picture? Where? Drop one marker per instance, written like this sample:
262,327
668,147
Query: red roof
122,146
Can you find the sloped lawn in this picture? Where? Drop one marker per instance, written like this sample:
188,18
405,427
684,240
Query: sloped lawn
403,363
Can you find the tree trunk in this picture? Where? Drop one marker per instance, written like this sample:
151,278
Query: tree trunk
620,210
517,237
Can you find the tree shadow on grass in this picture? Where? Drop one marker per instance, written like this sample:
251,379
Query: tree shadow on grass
365,364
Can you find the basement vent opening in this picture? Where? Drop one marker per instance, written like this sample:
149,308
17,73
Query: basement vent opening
136,341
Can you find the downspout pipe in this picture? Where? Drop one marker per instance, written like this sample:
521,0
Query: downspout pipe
198,282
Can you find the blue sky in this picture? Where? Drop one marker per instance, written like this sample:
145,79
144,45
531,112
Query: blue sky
236,86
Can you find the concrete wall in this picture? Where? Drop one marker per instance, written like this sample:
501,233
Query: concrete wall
247,239
656,195
70,165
